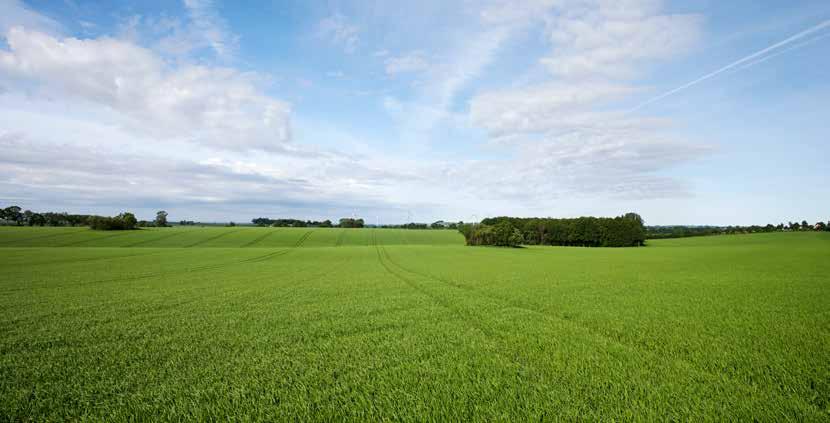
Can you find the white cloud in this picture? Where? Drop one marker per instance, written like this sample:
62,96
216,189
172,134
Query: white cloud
544,107
604,162
415,61
15,13
562,137
211,28
339,31
325,186
515,12
609,38
219,107
568,135
442,82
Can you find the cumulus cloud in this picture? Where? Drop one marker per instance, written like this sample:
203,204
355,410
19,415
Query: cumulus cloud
218,107
340,32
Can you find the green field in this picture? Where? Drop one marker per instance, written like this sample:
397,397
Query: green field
365,324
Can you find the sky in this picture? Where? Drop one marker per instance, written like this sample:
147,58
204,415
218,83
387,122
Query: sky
699,112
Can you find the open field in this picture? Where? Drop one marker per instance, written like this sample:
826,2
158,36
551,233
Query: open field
364,324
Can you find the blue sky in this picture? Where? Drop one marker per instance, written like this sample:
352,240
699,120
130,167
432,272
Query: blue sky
704,112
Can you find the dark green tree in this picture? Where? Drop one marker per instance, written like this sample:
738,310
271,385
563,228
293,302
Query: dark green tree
129,220
516,239
161,219
13,214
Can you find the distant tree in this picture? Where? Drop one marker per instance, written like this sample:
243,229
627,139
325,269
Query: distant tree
516,239
326,224
231,224
821,226
35,219
634,217
793,226
805,226
123,221
161,219
129,220
348,222
13,214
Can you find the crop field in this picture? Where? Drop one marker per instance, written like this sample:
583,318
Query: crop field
379,324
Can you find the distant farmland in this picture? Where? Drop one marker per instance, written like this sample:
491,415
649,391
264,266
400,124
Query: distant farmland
382,324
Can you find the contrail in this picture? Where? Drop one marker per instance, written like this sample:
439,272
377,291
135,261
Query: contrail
752,56
778,53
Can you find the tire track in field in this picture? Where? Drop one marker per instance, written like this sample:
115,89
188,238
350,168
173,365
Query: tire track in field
257,259
211,238
74,243
498,335
196,269
43,237
85,260
267,257
302,239
147,241
733,383
340,237
470,318
385,261
259,238
278,253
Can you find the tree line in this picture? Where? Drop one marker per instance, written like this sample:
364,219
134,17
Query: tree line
622,231
680,231
15,216
440,224
345,222
295,223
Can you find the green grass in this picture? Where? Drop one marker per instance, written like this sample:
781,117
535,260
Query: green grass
346,324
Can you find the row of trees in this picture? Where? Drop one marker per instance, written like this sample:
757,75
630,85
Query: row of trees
621,231
14,215
124,221
295,223
348,222
345,222
434,225
658,232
